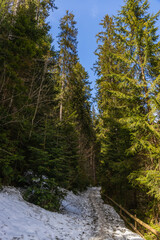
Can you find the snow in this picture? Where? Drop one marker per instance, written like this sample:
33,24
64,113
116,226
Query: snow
83,217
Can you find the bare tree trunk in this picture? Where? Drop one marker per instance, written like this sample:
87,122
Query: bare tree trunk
3,79
45,133
93,166
39,95
37,11
16,4
61,111
32,83
144,81
11,101
61,98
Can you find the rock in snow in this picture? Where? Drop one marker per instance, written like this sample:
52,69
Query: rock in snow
83,217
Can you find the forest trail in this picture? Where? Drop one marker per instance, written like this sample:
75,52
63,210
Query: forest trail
108,224
83,217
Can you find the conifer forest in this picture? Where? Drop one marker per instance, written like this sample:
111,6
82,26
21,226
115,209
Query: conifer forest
51,136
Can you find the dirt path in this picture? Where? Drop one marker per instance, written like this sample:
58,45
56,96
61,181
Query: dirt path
108,224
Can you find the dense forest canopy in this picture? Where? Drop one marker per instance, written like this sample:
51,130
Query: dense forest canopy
50,135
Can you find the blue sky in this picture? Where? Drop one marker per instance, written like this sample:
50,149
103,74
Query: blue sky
88,14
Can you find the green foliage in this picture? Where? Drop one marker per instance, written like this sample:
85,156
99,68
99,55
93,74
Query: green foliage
149,235
11,159
149,180
44,192
128,85
34,82
75,95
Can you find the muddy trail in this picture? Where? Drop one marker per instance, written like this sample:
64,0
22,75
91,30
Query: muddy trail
108,224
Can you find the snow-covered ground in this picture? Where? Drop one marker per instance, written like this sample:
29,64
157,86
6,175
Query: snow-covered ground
83,217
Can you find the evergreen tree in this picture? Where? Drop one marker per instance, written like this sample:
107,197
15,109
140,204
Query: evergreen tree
128,60
114,101
138,32
46,134
80,103
75,91
27,85
67,56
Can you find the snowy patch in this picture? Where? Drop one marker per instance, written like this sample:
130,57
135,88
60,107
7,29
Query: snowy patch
83,217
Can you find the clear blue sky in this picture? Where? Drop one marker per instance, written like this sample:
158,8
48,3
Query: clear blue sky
88,14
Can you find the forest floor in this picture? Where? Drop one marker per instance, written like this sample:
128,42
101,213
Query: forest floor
82,217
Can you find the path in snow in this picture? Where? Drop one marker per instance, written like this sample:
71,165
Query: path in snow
108,224
83,217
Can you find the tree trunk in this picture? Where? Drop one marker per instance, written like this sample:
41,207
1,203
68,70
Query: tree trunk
39,95
61,98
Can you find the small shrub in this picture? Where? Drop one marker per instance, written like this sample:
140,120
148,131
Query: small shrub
45,193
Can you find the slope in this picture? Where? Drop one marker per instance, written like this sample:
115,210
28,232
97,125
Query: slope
82,216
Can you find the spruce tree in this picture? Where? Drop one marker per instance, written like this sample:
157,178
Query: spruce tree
114,102
138,32
74,92
27,92
67,55
128,60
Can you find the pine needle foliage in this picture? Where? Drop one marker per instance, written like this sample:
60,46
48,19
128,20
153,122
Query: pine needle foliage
128,83
40,151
